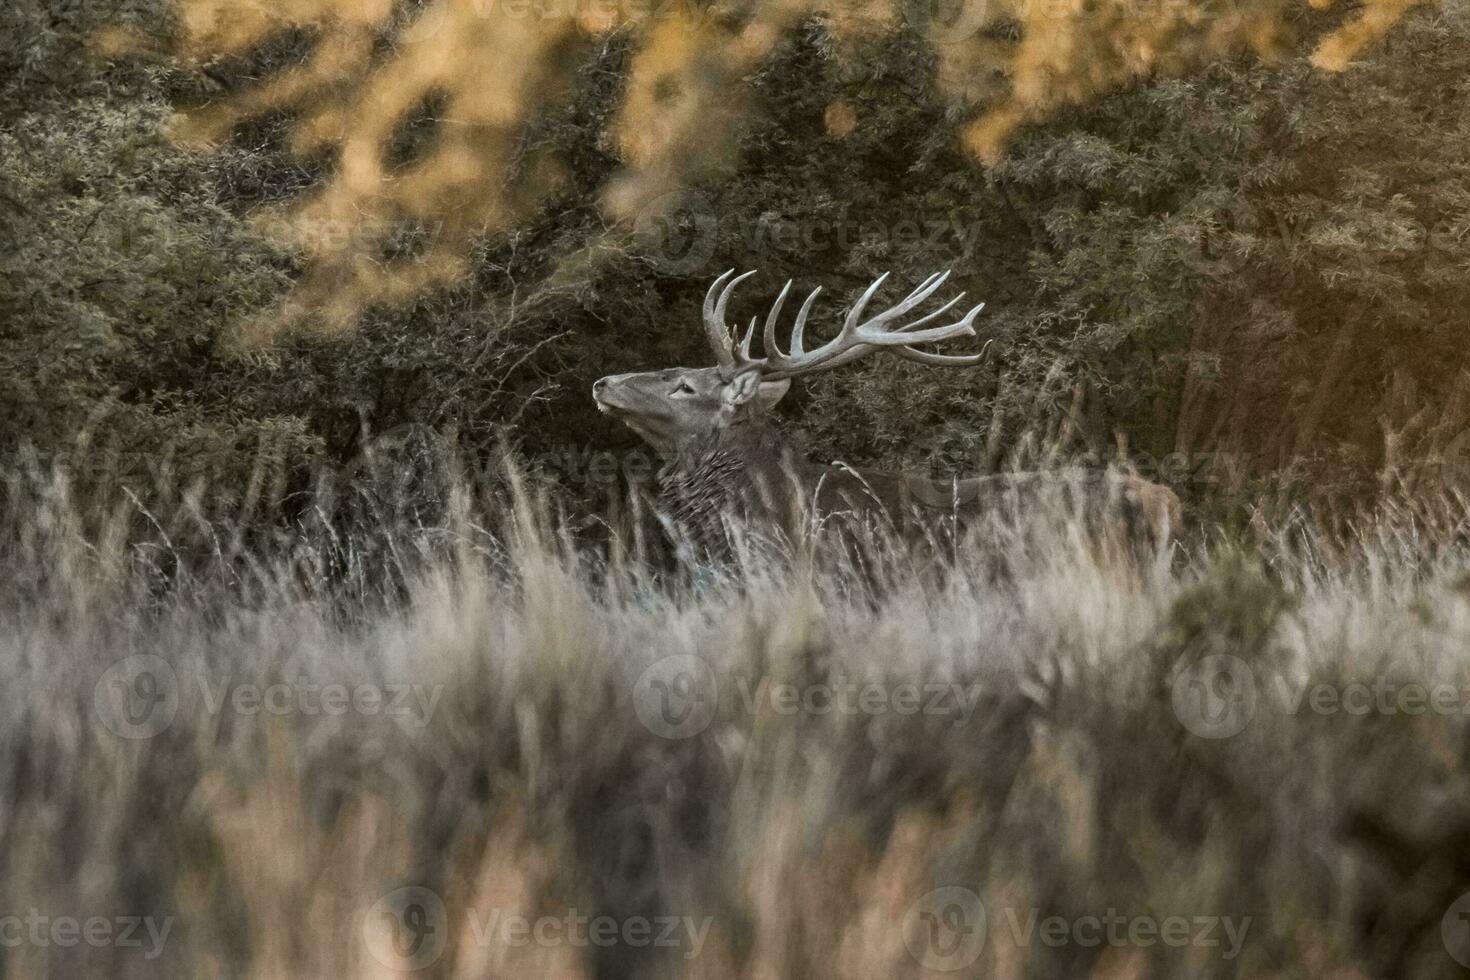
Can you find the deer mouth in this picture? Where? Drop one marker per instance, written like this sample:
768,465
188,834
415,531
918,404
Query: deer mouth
608,402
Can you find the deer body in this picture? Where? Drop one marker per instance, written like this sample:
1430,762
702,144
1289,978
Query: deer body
724,457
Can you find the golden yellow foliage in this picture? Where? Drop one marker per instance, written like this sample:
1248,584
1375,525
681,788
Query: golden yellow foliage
494,64
840,119
1347,42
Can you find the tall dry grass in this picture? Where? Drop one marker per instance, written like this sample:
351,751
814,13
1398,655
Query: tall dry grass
583,733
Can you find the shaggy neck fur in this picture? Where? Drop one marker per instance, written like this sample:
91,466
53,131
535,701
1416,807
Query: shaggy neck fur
732,470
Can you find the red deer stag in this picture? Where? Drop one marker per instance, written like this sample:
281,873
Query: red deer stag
723,457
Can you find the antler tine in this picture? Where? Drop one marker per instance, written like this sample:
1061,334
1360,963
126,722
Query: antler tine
799,331
772,349
744,350
857,334
925,289
715,328
714,287
943,360
922,292
908,327
857,338
909,353
724,299
855,315
964,327
909,338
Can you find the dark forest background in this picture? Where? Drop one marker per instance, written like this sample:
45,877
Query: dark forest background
1249,275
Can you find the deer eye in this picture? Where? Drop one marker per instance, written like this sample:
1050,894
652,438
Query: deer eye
685,388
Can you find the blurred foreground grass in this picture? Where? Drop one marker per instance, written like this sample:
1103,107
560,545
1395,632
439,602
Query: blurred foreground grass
457,741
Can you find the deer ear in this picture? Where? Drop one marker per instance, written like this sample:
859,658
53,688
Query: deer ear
773,391
747,385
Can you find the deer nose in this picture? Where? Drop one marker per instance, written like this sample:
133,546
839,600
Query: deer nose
598,386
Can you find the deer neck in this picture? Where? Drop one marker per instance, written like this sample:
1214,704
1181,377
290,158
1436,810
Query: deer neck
734,469
753,440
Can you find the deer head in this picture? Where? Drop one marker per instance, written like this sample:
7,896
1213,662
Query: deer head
673,407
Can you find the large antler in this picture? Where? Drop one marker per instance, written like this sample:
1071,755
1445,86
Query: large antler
857,338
